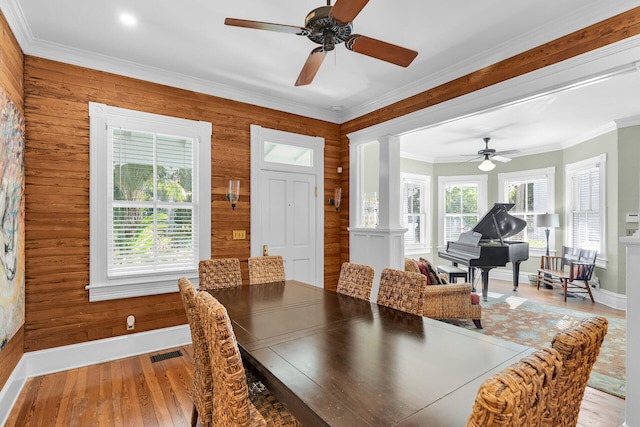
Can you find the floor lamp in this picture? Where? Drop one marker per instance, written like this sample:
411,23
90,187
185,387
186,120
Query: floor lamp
548,221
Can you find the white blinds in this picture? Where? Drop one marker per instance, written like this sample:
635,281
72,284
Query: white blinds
411,212
151,215
586,215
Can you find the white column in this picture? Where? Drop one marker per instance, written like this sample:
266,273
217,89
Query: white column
381,247
389,183
632,408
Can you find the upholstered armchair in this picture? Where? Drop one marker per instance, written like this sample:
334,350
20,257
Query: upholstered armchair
448,301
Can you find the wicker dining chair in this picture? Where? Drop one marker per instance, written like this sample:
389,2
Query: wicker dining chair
579,347
235,403
202,391
266,269
520,395
219,273
402,290
356,280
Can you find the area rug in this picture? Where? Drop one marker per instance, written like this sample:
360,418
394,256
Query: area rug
528,323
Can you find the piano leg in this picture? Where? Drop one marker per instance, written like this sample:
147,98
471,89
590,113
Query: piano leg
516,275
485,283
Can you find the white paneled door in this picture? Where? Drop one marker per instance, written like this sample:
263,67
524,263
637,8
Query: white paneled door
289,221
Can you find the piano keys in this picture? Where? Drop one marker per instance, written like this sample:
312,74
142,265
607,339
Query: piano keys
484,246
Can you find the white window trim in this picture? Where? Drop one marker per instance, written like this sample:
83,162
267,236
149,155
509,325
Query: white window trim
443,181
425,180
570,170
548,173
101,117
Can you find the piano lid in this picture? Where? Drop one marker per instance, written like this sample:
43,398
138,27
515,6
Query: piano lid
498,223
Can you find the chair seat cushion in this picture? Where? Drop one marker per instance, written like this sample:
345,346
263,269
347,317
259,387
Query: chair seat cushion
475,299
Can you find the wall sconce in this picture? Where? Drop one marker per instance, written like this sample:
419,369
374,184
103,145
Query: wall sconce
337,197
234,192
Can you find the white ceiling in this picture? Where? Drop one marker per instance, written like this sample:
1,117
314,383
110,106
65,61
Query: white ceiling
187,45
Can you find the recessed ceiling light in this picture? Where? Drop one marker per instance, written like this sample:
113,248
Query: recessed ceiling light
127,19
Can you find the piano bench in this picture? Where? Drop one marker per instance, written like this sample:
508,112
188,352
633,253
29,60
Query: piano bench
453,272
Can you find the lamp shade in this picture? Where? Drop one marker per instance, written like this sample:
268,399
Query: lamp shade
486,165
548,220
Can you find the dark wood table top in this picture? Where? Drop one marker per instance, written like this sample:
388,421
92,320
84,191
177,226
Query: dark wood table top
340,361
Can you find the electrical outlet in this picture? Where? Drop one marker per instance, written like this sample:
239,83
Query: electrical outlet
131,323
239,234
630,231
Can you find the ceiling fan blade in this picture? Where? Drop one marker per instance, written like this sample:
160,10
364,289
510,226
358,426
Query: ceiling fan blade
289,29
345,11
381,50
311,67
508,152
501,159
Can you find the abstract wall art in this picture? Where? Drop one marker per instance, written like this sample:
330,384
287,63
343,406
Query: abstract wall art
11,219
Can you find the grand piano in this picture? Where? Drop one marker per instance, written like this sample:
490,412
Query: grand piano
484,246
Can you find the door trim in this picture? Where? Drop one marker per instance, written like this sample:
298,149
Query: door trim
260,134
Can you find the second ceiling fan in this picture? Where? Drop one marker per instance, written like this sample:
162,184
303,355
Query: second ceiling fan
330,25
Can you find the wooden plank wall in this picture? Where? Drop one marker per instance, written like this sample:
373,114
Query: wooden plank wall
11,68
57,187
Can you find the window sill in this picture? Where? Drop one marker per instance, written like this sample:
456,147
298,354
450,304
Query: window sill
417,251
100,292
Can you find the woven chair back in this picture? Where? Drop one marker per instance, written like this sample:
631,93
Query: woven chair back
579,347
356,280
219,273
231,397
266,269
402,290
521,395
202,392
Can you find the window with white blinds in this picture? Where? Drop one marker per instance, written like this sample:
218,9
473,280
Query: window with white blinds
415,212
151,227
532,192
586,212
462,200
150,201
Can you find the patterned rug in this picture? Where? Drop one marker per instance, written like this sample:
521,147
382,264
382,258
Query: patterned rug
528,323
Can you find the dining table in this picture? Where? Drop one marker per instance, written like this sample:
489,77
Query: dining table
335,360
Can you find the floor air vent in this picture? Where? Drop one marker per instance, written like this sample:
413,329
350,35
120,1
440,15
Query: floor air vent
165,356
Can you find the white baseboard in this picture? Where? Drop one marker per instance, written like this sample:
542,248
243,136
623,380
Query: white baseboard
63,358
602,296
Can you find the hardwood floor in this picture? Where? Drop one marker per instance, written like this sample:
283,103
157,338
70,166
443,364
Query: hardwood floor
136,392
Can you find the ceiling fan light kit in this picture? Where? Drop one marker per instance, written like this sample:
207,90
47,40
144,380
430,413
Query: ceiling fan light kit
491,154
331,25
486,164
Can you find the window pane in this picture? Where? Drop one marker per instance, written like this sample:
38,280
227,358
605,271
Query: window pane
175,169
470,199
288,154
461,209
147,239
132,165
150,232
453,200
529,197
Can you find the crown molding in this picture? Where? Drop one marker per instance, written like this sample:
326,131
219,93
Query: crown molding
628,122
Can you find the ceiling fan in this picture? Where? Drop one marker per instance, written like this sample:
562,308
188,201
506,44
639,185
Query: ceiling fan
330,25
491,154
